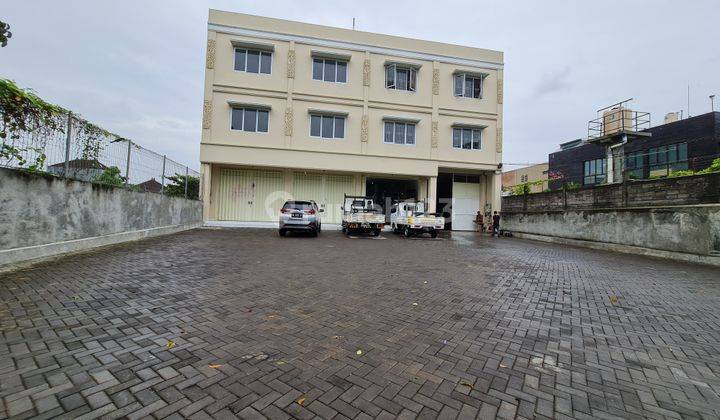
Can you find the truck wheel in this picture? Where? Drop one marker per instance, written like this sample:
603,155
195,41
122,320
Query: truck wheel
282,232
433,233
376,232
407,232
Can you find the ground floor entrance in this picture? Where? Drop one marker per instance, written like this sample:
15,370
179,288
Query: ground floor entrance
385,192
256,195
245,194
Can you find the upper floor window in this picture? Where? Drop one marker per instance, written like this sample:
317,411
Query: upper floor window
666,159
253,61
330,70
327,126
594,171
400,77
250,119
468,86
399,133
467,138
635,165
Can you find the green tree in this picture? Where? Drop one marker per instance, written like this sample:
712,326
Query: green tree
111,176
5,33
176,186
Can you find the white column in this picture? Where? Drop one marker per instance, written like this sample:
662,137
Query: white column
205,188
432,194
495,190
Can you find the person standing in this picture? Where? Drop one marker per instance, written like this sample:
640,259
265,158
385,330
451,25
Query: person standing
479,221
496,224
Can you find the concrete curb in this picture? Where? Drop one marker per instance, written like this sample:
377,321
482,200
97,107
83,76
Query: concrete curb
625,249
257,225
17,258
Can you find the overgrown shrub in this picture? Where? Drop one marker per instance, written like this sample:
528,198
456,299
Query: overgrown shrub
176,186
111,176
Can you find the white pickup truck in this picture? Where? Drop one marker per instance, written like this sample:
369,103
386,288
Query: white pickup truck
409,218
361,216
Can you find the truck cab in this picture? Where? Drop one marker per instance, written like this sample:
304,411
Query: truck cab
361,216
409,218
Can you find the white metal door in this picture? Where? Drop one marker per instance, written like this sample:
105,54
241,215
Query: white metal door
326,190
269,195
249,195
336,186
465,205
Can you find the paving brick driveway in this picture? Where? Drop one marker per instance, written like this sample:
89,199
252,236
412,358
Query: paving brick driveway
223,323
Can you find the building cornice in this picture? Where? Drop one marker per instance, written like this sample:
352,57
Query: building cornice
417,55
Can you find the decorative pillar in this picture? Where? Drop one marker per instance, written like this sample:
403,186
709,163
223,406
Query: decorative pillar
432,194
205,189
497,191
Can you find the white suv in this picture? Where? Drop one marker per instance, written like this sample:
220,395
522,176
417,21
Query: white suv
302,216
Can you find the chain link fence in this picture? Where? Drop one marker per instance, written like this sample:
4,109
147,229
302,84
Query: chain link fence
76,149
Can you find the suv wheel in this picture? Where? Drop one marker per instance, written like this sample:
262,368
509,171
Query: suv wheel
282,232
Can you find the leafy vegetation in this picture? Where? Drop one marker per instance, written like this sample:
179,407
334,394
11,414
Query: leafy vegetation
675,174
111,176
176,186
24,112
5,34
571,186
714,167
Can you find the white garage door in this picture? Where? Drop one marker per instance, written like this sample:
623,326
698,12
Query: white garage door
250,195
465,205
326,190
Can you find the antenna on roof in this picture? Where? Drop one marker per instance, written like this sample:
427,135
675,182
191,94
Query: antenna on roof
353,24
688,102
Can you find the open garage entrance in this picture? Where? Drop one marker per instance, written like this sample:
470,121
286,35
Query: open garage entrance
459,198
385,191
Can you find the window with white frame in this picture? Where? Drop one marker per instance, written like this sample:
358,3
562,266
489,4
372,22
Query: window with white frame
253,61
327,126
330,70
467,138
250,119
399,133
400,77
468,86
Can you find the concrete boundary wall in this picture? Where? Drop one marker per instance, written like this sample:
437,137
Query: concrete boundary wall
686,190
688,232
42,216
626,249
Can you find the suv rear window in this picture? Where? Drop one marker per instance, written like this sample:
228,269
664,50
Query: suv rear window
298,205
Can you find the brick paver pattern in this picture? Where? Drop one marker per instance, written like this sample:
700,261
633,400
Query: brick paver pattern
243,323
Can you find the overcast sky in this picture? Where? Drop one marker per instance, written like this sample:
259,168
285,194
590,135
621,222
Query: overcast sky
137,67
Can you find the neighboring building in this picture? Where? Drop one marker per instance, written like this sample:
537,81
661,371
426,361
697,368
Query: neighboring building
80,169
151,185
524,175
314,112
690,143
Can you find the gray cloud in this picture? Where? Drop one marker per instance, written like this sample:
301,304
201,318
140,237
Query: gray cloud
554,82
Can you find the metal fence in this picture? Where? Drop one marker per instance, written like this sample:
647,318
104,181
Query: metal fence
80,150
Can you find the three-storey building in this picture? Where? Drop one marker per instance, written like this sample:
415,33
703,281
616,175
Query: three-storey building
294,110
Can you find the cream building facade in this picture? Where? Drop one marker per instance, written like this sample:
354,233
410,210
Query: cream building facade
294,110
532,173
